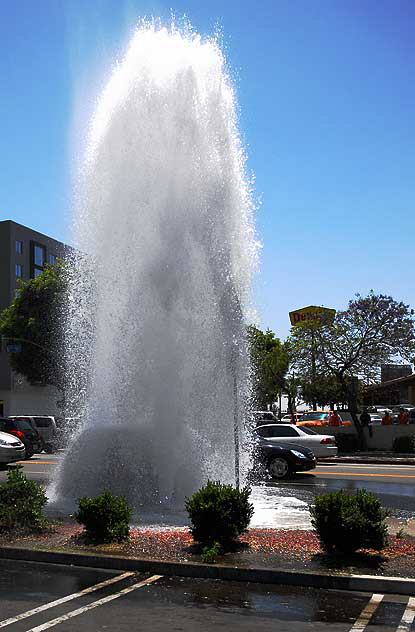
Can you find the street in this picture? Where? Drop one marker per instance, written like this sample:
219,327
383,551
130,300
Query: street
394,485
284,504
35,597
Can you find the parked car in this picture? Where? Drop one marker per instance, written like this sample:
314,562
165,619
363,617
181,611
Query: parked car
321,445
319,418
261,416
287,419
281,460
381,411
23,430
11,449
375,419
46,427
396,408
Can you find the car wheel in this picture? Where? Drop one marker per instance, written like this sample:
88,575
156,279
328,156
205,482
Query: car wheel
29,453
278,467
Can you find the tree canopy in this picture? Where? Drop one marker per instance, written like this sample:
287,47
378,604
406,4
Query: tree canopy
373,330
34,320
270,362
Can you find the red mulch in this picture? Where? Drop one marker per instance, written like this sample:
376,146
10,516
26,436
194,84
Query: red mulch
178,544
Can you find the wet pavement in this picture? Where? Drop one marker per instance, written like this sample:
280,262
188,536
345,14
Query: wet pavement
35,597
284,504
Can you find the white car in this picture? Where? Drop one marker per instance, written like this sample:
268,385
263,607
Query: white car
11,449
321,445
262,416
375,419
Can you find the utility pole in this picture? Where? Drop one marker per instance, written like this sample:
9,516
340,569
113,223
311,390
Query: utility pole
236,426
313,364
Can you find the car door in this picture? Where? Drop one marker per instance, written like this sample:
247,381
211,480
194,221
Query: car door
305,438
45,428
286,434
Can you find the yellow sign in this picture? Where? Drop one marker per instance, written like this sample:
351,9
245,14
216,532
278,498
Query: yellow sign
312,314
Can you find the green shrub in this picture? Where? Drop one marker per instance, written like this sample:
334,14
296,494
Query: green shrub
105,517
347,442
219,513
210,553
21,504
349,522
404,444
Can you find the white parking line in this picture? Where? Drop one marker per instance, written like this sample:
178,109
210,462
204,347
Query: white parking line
57,602
408,616
94,604
366,614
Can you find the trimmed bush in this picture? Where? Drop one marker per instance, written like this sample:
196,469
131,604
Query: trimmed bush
349,522
105,517
21,504
347,442
404,444
219,513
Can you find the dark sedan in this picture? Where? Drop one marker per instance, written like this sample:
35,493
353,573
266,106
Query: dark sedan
281,460
25,432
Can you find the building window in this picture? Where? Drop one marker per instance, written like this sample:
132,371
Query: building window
19,247
39,256
19,270
52,259
37,259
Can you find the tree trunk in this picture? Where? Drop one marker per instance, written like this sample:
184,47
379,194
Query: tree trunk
351,397
291,403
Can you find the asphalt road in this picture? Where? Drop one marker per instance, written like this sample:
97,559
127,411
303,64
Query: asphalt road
284,504
394,485
35,597
40,468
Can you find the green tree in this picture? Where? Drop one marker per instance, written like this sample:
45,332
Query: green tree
373,330
292,385
323,389
35,320
270,361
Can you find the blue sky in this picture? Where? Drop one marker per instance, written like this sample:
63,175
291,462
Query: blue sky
326,91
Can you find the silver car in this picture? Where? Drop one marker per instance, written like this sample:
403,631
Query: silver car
11,449
321,445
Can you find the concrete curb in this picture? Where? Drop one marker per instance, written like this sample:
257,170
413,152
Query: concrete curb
363,583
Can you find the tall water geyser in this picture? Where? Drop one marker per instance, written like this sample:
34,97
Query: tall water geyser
165,243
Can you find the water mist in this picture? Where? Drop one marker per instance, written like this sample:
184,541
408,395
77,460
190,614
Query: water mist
155,332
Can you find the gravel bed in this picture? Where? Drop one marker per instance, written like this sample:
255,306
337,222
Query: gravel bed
266,548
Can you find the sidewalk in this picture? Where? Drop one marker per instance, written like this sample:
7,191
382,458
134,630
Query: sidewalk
375,457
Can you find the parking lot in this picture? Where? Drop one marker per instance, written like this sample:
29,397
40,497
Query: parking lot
35,597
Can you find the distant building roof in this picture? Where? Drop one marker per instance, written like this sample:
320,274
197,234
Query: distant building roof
409,379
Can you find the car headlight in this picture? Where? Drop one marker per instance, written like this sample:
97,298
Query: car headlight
299,455
4,443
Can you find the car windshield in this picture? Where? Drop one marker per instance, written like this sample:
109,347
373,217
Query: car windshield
308,430
314,416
